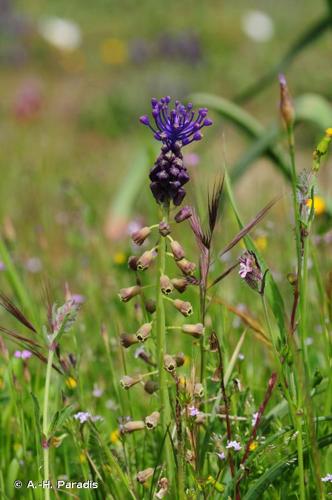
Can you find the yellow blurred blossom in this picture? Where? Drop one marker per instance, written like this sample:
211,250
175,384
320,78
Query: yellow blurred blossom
253,446
115,436
113,51
71,383
328,131
319,205
82,458
261,243
119,258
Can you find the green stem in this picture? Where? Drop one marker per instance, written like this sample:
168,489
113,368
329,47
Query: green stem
297,222
165,409
45,420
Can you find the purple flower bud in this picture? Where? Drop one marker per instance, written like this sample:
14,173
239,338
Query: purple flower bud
145,120
183,214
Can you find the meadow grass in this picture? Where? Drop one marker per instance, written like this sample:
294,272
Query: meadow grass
201,378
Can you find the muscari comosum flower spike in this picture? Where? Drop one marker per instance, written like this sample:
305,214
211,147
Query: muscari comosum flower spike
175,128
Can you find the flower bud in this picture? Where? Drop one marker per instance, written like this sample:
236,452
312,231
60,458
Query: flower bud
128,339
144,356
169,363
151,386
186,266
183,214
132,262
166,285
177,250
146,259
127,382
144,475
183,307
286,105
180,284
132,426
292,278
150,306
126,294
164,228
180,359
198,390
151,421
196,330
163,485
140,236
143,332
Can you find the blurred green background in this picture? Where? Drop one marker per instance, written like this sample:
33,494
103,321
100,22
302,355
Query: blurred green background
75,76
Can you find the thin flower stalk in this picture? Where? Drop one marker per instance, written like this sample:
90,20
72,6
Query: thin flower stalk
165,409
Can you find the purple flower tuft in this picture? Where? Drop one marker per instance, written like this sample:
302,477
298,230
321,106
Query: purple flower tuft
175,128
178,125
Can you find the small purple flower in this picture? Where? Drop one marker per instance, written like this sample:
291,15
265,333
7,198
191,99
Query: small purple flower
235,445
82,416
327,478
25,354
2,266
85,416
245,267
78,298
97,391
193,411
33,265
251,272
178,125
221,455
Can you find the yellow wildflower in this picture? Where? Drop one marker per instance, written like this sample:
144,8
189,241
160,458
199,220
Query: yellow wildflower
119,258
328,131
71,383
82,458
319,205
113,51
115,436
261,243
253,446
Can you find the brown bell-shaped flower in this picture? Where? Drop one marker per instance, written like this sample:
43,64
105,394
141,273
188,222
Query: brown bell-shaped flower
140,236
186,266
183,307
166,285
196,330
143,333
146,259
126,294
177,250
151,421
